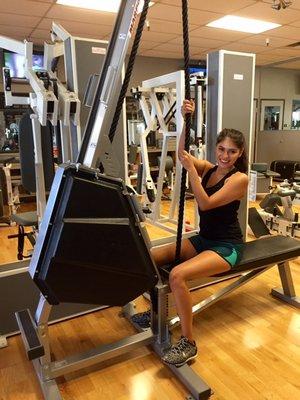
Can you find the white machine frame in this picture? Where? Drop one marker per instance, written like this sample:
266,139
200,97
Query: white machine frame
45,105
173,86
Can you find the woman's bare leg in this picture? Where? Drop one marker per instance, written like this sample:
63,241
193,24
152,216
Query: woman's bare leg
166,254
207,263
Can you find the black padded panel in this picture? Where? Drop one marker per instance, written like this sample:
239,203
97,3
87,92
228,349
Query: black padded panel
263,252
26,146
28,218
256,223
90,247
286,168
3,186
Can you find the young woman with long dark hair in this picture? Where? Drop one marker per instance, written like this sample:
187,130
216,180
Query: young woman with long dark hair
218,246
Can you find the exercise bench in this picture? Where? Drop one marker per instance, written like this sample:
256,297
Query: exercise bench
258,256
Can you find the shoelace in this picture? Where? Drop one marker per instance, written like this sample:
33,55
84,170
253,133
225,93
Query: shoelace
183,344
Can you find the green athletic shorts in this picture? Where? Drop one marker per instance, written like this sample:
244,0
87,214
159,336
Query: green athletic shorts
231,252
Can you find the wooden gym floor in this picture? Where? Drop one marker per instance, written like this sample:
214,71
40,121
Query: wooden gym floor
249,349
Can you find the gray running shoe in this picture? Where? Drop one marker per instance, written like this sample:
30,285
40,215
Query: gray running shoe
143,319
180,353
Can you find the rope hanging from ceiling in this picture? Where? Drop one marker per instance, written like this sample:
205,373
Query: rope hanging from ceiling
185,30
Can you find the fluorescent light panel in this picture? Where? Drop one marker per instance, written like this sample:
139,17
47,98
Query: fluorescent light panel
99,5
241,24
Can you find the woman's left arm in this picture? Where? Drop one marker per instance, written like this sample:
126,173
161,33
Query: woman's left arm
234,189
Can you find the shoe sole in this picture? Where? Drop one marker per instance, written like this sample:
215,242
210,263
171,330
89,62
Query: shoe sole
181,364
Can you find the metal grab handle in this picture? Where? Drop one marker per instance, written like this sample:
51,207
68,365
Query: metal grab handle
90,90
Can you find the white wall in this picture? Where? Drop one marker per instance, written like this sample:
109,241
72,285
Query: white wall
276,83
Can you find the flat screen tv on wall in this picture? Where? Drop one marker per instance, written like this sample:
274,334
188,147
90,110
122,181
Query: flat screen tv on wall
15,62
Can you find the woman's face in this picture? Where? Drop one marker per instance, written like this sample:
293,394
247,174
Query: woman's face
227,153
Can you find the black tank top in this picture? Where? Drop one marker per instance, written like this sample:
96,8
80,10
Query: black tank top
220,223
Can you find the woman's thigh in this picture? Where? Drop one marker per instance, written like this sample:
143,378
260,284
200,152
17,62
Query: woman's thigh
166,254
207,263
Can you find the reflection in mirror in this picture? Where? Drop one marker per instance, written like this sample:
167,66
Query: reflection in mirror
295,124
271,118
271,114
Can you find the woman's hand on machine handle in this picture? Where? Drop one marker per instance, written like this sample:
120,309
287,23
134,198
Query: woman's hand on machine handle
187,162
188,107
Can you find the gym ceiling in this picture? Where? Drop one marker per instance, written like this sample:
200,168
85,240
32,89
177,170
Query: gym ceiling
32,19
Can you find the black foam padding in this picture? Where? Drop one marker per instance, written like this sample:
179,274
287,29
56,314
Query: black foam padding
26,146
259,167
261,253
28,218
3,186
90,261
256,223
32,342
286,168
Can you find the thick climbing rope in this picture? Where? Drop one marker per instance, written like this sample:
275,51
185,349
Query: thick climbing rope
185,27
129,69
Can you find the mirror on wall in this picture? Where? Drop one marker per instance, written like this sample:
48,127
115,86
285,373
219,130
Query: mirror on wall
295,123
271,115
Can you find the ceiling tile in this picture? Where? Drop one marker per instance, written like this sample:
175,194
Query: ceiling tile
287,31
244,47
261,40
78,28
285,53
219,34
161,54
173,13
263,11
296,4
158,37
15,20
40,34
24,7
145,45
157,25
173,48
201,42
268,59
219,6
295,23
81,15
13,31
289,65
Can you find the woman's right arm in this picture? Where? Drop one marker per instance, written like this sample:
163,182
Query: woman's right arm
188,107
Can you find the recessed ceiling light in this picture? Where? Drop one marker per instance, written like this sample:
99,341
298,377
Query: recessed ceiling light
99,5
241,24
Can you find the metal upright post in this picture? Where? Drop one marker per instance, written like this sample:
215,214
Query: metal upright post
39,169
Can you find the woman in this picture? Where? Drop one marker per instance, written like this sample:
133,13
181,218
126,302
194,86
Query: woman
218,190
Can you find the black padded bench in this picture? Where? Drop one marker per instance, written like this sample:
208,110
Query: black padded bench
258,256
260,253
267,251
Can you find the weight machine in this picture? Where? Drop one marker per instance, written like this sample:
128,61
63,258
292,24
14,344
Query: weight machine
50,102
160,100
277,210
112,263
82,57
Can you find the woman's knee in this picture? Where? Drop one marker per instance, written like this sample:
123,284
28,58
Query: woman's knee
176,278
